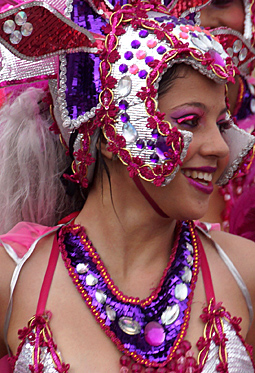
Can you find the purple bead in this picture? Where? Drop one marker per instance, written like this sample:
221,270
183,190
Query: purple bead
154,158
161,147
161,50
150,144
140,143
123,68
209,37
123,105
154,333
149,59
135,44
154,133
194,35
128,55
142,74
124,117
143,33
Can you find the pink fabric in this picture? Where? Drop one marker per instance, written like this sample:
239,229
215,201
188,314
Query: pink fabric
5,366
21,237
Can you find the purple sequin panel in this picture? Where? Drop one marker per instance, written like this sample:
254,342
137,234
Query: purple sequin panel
166,297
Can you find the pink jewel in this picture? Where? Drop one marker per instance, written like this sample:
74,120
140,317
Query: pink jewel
184,28
140,54
136,368
184,35
154,333
217,58
124,370
152,43
125,360
197,28
133,69
191,28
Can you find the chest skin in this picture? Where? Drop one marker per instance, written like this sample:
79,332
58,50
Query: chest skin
78,336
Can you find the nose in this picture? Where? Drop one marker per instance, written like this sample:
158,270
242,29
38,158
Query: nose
213,144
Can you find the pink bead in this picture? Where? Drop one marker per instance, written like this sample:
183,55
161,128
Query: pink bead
184,35
181,361
125,360
149,370
190,361
172,365
185,345
140,54
124,370
154,333
184,28
152,43
190,370
136,368
133,69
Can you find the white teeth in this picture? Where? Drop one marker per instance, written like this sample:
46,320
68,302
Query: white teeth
198,175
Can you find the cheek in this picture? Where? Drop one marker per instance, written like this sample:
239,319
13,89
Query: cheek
235,19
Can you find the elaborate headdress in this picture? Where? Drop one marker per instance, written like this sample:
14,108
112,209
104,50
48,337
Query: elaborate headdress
241,47
112,59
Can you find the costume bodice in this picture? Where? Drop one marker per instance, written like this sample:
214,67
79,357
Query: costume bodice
37,337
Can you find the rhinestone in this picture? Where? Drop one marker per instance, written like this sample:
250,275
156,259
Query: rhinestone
251,88
91,280
190,260
20,18
187,275
129,132
129,326
154,158
140,144
253,105
243,54
217,46
9,26
123,104
125,86
154,334
235,60
82,268
205,40
181,291
230,51
27,29
111,314
189,247
170,314
237,46
15,37
101,296
198,43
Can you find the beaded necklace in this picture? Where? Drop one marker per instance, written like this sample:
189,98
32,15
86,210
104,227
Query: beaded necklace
149,331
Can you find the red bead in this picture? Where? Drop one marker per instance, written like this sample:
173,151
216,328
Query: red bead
125,360
185,345
124,369
172,365
162,370
190,361
149,370
136,368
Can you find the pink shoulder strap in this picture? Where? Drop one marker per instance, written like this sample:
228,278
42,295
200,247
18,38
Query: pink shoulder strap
206,273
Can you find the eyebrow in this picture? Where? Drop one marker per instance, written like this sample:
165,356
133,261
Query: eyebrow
199,105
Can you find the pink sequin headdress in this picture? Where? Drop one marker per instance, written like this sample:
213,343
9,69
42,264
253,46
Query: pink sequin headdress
112,59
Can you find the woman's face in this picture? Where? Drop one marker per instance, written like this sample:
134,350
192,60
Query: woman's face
228,13
196,104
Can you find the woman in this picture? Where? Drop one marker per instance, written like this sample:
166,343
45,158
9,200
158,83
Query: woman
150,179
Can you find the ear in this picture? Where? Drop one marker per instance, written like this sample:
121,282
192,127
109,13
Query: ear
102,146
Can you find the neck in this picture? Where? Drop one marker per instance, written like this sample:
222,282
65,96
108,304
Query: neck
128,234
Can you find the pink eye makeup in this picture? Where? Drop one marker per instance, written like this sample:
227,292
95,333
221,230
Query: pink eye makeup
189,120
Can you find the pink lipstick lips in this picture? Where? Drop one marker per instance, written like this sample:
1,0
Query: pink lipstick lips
200,178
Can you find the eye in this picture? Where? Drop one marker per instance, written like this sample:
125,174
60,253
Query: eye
190,120
224,125
221,3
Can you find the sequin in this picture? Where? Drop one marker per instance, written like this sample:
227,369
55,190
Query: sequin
91,280
152,43
189,247
111,313
101,296
129,132
243,54
161,50
82,268
123,68
129,326
125,86
170,314
15,37
27,29
135,44
143,33
20,18
154,334
181,291
128,55
190,260
252,105
149,59
133,69
187,275
142,74
140,55
237,46
9,26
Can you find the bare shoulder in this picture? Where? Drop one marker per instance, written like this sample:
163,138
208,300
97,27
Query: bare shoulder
7,267
242,253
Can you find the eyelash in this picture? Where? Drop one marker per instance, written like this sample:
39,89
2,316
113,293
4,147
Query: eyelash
192,121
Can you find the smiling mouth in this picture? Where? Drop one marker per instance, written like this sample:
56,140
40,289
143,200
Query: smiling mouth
204,178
